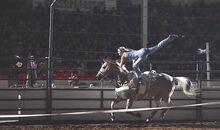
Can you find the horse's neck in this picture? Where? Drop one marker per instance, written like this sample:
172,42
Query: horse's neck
122,76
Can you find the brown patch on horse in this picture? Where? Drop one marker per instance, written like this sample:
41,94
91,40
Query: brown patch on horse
122,76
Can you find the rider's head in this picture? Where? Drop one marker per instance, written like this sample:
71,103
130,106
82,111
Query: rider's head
121,50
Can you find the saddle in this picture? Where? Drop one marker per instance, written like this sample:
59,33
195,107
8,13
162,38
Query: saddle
136,88
148,80
151,76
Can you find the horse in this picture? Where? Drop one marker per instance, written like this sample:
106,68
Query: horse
159,86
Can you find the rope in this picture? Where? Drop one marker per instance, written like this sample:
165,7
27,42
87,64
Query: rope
108,111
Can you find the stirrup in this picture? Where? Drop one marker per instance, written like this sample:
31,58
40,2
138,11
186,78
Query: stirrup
139,80
153,71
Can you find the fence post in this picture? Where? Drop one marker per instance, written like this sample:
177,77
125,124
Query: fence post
102,99
207,65
50,50
198,101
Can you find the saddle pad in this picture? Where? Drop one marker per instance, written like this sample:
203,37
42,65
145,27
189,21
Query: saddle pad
142,89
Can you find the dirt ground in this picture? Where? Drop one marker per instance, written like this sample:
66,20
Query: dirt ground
117,126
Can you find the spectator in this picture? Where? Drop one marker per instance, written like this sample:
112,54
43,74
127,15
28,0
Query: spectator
17,67
73,79
31,71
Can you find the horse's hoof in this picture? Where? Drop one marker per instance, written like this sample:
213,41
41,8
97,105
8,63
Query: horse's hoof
148,120
112,119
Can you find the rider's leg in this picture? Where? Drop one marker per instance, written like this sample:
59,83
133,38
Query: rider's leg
136,68
161,44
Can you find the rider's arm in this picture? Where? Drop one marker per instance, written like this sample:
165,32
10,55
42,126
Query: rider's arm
122,60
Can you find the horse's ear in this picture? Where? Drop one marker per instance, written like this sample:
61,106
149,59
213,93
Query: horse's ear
105,60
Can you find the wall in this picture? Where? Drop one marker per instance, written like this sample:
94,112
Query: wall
33,101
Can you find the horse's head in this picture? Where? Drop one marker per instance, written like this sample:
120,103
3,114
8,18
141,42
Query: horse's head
109,67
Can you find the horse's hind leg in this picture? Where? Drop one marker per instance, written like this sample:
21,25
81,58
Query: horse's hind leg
157,102
116,100
168,103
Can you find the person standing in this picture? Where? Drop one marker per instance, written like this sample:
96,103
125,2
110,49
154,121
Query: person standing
31,71
73,79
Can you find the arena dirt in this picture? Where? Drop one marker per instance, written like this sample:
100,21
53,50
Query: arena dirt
118,126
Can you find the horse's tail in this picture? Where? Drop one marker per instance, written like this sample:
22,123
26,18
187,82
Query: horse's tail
186,85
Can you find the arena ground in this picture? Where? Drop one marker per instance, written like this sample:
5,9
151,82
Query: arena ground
116,126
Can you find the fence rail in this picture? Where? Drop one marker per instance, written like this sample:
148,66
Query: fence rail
34,101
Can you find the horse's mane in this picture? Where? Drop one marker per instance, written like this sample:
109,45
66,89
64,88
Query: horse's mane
124,69
111,61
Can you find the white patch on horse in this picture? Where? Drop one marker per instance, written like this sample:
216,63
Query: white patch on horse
171,92
146,72
183,79
168,77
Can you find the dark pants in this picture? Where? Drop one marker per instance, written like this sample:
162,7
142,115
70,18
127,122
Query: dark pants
31,78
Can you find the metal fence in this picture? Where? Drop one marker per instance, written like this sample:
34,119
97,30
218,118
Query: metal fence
20,101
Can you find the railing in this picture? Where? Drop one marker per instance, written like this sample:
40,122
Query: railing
33,101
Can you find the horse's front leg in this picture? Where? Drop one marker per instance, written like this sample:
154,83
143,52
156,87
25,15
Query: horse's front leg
115,101
129,104
157,102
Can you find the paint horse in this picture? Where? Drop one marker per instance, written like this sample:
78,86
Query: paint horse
159,86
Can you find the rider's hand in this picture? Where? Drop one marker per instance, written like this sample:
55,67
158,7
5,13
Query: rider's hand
173,36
